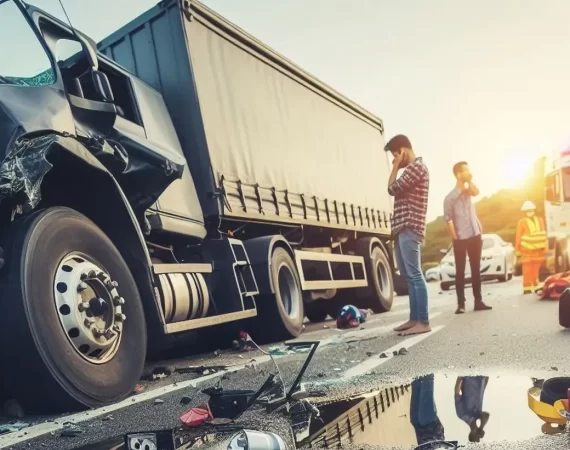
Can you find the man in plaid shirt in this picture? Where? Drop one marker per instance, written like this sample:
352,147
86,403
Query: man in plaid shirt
410,192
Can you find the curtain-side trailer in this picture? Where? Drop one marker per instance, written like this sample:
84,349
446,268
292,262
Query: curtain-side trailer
178,176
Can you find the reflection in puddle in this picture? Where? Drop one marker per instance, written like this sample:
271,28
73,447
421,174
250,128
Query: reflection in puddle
434,407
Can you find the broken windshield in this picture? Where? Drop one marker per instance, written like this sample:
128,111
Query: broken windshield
23,60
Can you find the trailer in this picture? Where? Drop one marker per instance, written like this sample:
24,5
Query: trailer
178,176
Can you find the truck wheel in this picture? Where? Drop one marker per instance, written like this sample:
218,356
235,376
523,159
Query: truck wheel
74,318
564,309
381,284
280,315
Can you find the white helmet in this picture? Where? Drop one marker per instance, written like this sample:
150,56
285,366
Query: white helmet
528,206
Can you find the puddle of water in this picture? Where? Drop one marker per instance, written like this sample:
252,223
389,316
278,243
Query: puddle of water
435,407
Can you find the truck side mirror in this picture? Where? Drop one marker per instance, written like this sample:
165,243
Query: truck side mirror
102,86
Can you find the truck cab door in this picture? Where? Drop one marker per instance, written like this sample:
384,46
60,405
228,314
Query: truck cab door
88,90
32,97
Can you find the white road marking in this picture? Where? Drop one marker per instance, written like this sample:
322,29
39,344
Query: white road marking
375,361
41,429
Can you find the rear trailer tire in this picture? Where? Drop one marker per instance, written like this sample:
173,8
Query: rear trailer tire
55,259
280,315
380,291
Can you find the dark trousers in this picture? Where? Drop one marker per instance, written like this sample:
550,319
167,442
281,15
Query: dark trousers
461,248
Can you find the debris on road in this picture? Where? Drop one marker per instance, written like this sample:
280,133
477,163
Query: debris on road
395,353
138,389
12,426
554,368
383,355
326,327
217,353
158,401
156,373
369,354
185,400
71,431
403,351
201,370
196,416
107,418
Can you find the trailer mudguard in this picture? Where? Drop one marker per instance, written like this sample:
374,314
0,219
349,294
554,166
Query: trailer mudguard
259,252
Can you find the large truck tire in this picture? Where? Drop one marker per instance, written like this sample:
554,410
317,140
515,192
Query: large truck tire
380,292
280,315
73,326
564,309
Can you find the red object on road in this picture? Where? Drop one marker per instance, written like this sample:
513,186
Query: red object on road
195,417
555,285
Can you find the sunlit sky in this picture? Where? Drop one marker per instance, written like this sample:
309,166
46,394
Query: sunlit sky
486,81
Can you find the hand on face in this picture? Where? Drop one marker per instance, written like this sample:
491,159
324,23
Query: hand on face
398,159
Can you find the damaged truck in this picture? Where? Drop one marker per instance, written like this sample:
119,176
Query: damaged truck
177,176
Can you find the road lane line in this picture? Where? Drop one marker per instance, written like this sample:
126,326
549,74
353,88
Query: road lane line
375,361
41,429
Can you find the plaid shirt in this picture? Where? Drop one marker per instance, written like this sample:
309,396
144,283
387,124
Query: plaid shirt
411,198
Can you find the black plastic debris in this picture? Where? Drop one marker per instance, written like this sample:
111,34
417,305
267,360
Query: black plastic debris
71,431
201,370
403,351
158,372
383,355
185,400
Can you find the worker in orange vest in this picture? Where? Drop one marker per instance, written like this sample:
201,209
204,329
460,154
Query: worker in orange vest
531,243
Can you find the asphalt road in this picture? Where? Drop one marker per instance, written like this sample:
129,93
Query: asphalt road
518,340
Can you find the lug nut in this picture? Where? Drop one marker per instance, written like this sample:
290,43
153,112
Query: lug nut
97,332
120,317
82,286
118,301
88,322
116,329
92,274
109,334
83,306
83,276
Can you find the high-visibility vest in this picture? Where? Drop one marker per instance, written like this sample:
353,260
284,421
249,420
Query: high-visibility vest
536,237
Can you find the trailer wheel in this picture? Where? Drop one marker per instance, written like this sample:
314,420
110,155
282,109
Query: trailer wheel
73,315
280,315
381,290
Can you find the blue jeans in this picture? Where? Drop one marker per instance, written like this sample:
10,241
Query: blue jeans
409,262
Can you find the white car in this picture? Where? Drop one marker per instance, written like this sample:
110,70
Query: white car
432,274
497,262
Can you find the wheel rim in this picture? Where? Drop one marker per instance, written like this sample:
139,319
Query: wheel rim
383,279
89,307
288,291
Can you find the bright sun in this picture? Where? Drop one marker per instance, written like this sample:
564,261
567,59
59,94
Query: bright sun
517,166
